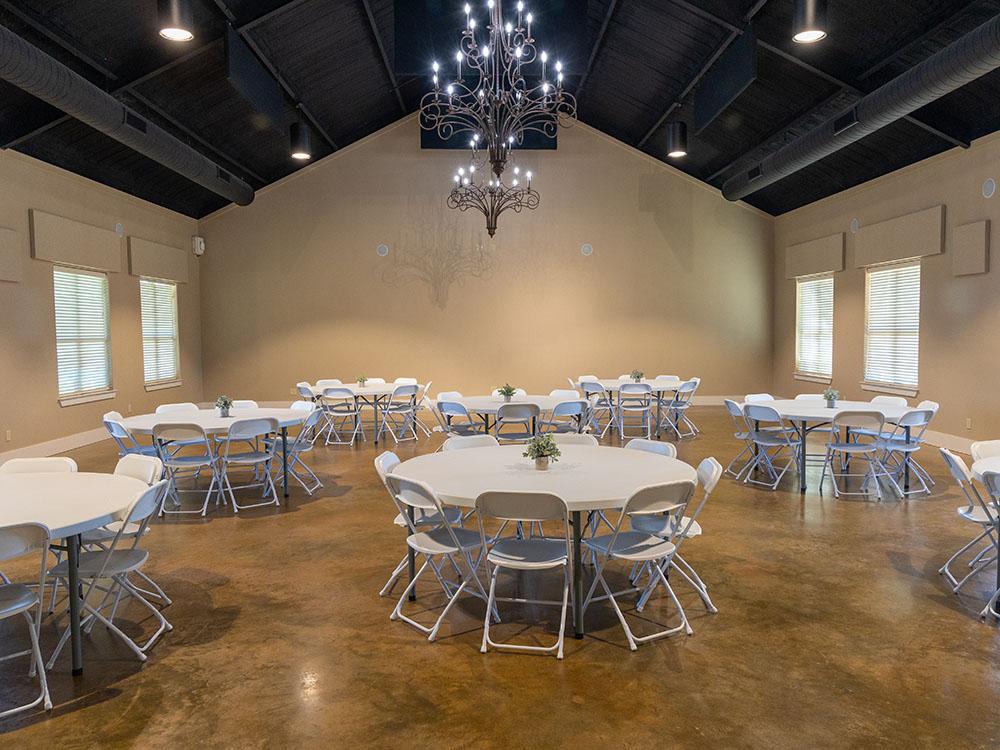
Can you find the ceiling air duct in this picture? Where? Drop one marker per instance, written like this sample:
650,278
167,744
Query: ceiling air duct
974,55
30,69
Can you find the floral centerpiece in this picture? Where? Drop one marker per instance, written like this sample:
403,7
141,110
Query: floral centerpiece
507,391
636,376
544,450
831,395
362,379
223,404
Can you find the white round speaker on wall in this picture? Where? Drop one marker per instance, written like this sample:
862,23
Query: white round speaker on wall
989,187
382,250
587,249
855,226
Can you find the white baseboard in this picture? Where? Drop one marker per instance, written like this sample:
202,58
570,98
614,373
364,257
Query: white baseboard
59,445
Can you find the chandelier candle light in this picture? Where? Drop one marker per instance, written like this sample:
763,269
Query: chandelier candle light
503,88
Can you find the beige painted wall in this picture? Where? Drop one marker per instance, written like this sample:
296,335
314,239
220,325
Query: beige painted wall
959,346
29,405
292,288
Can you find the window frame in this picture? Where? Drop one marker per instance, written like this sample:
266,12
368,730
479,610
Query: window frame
800,374
83,396
881,386
174,380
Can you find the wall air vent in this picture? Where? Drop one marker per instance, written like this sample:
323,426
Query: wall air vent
224,175
134,121
845,121
754,173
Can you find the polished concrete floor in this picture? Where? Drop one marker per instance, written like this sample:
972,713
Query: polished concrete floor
834,630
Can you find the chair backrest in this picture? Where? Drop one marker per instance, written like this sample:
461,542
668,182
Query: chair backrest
517,412
146,469
302,383
522,506
375,381
303,405
244,403
760,413
180,432
304,391
689,386
635,390
709,473
625,376
451,409
404,393
587,378
422,395
23,538
592,387
757,398
734,409
915,419
931,405
248,429
327,382
574,438
652,446
984,449
384,464
517,392
459,442
810,397
405,381
338,394
957,466
872,421
667,377
564,393
889,400
991,480
49,465
448,396
576,408
659,498
409,493
186,406
143,508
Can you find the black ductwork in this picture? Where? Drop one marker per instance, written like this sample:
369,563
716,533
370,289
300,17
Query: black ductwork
974,55
30,69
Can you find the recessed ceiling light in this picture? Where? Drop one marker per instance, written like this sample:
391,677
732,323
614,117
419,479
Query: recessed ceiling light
809,21
176,20
677,139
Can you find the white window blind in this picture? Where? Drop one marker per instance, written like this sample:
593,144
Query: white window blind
83,340
892,324
814,326
160,352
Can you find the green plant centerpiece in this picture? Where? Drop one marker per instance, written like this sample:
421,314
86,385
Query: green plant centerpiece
636,376
362,379
831,395
544,450
507,391
223,404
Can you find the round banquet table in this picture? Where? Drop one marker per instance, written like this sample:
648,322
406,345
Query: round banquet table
587,478
805,415
659,386
370,395
210,421
69,504
979,468
487,406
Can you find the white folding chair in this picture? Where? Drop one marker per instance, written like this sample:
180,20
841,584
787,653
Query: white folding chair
384,464
674,413
864,427
742,433
328,383
399,413
566,394
985,514
521,555
991,480
652,446
300,444
899,449
48,465
460,442
114,423
709,473
423,403
522,417
17,541
635,399
757,398
889,400
441,540
633,547
405,381
171,408
600,402
456,420
773,438
257,461
574,438
107,570
186,465
566,417
341,409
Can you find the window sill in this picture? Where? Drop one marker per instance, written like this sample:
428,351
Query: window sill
895,390
163,386
86,398
812,378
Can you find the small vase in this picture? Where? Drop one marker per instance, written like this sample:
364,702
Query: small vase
506,399
361,383
831,403
224,412
636,380
542,464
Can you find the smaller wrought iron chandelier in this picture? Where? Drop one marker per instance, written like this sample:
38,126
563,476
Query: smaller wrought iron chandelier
477,188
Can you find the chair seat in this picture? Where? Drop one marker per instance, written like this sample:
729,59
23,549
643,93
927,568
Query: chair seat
122,561
16,598
632,545
189,462
528,554
899,444
975,514
841,447
107,533
427,517
438,541
770,439
143,450
250,457
661,525
514,437
465,429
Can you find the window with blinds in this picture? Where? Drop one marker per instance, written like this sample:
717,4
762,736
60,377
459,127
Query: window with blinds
892,324
83,338
160,350
814,326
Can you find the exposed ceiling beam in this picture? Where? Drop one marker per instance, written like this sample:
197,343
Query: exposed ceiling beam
275,73
598,43
381,50
734,33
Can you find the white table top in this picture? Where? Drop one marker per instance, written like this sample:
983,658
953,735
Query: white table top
657,384
586,478
801,410
209,420
983,465
381,389
490,404
67,502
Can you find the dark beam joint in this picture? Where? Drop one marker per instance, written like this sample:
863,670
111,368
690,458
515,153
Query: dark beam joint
385,57
598,43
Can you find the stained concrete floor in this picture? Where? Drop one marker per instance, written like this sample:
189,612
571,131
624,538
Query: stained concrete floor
834,630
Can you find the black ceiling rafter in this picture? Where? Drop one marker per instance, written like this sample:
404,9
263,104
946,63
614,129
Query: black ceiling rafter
953,140
179,60
244,34
734,33
598,43
382,53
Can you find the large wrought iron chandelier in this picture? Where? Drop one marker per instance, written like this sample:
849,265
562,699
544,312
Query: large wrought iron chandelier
503,88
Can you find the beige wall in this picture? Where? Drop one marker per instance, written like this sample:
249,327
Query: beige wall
959,348
29,405
292,288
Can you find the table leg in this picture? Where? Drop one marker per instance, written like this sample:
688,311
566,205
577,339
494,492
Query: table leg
577,577
659,395
411,559
374,404
73,563
802,456
284,460
906,471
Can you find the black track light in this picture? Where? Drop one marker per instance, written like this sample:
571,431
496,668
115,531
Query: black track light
301,141
176,20
809,21
677,139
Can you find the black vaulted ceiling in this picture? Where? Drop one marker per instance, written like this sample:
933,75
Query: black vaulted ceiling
333,59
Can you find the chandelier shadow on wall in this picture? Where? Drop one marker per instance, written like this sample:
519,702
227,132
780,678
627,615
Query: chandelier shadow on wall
502,88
